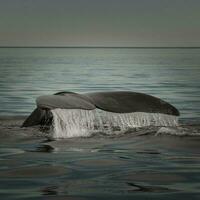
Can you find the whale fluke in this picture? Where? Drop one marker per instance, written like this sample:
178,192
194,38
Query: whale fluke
67,101
120,102
37,117
127,102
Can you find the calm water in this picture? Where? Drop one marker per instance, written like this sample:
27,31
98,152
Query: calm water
134,165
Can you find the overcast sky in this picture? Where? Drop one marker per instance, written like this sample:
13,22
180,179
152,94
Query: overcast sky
99,22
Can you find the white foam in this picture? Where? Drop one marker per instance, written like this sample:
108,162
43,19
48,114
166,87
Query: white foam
178,131
69,123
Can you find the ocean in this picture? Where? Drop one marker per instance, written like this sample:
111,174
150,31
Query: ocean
150,163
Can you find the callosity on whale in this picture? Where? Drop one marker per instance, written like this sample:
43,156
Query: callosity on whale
115,102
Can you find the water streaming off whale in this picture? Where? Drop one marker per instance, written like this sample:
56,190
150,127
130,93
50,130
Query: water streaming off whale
76,122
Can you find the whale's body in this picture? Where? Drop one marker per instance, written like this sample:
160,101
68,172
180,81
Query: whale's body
114,102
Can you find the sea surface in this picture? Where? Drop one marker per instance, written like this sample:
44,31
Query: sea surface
146,163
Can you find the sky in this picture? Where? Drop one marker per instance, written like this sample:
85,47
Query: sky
129,23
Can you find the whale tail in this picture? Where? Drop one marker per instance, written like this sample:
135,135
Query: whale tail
38,117
115,103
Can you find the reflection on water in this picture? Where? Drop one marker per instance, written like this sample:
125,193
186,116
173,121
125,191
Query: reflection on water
139,188
126,166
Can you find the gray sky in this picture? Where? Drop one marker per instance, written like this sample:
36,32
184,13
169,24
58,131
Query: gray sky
99,22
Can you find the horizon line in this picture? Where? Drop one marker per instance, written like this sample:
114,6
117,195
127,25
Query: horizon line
133,47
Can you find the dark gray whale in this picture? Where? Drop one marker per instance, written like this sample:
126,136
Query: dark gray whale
116,102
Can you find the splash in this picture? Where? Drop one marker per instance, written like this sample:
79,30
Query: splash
178,131
69,123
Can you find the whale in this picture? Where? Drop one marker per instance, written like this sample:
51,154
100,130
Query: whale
112,101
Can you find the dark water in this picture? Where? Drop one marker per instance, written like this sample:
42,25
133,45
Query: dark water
149,163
